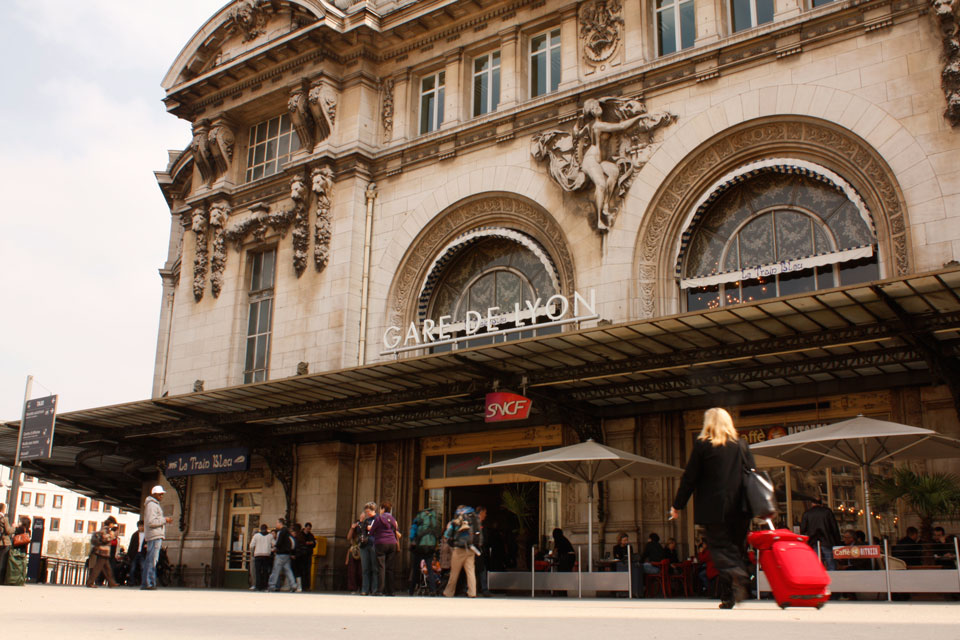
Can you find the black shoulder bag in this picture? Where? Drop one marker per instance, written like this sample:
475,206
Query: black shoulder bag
758,498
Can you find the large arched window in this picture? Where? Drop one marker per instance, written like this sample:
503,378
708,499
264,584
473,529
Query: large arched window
489,271
773,231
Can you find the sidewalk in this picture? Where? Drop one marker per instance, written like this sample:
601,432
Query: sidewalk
73,612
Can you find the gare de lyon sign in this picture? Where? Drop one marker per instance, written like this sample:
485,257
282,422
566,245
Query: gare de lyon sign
555,311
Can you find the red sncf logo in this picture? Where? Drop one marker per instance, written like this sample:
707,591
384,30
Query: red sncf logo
503,406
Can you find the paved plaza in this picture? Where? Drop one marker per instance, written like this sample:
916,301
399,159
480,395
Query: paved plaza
71,612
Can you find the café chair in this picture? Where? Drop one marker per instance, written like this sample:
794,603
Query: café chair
660,581
682,574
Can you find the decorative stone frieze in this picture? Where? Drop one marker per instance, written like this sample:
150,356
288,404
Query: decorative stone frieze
945,12
199,227
610,141
386,112
321,180
601,30
218,215
301,223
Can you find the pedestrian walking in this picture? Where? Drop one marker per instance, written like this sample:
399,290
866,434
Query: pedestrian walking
282,558
714,476
261,547
480,561
98,563
135,554
386,539
462,533
820,526
155,524
424,534
368,553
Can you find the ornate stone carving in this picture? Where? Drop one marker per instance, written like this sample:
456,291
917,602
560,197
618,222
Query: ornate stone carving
313,112
611,140
179,484
755,141
945,12
301,223
258,224
250,18
303,368
197,386
280,461
386,112
321,180
219,214
601,29
212,147
199,227
512,212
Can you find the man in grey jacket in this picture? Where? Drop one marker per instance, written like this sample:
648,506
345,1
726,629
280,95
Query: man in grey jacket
154,524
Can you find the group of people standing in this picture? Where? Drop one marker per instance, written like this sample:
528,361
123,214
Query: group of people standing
284,551
14,544
374,542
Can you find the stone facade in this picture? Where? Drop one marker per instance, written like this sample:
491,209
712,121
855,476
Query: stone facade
851,87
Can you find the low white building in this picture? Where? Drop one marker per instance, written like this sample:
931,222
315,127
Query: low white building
69,517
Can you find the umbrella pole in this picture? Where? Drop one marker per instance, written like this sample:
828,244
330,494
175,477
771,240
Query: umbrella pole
590,529
865,478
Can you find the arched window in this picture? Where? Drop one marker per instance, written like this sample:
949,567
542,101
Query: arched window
775,231
490,272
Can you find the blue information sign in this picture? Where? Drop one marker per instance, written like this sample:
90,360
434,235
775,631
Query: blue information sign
216,461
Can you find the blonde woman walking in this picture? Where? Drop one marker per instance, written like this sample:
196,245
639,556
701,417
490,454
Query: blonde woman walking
714,475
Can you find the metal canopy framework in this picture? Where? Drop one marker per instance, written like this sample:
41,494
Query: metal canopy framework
896,332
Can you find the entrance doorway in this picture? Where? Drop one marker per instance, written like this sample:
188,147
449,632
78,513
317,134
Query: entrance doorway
243,521
513,519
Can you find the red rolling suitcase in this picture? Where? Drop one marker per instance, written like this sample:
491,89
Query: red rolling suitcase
796,575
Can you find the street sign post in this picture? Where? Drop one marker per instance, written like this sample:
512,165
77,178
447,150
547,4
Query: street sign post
36,440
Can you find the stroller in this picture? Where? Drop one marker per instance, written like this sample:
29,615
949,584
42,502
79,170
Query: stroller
424,586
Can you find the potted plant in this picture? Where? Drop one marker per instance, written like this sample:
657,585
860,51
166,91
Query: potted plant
929,495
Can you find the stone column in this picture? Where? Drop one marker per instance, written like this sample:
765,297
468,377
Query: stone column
403,107
511,72
569,48
453,99
634,44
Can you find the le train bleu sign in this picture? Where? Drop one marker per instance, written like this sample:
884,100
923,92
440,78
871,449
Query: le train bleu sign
555,310
199,462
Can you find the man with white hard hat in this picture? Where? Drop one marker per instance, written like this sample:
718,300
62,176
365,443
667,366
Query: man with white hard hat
154,523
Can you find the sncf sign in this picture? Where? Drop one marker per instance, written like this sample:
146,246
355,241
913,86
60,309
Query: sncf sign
502,406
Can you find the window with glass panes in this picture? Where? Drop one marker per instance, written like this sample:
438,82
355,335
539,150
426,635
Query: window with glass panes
486,83
25,498
269,147
40,500
431,101
746,14
54,524
78,526
57,502
676,26
544,63
260,316
777,219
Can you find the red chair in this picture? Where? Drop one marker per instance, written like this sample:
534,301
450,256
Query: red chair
658,580
682,573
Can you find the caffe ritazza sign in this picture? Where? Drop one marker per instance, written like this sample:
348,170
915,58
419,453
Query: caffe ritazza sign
531,315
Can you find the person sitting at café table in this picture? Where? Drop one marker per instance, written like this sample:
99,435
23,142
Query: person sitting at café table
652,554
849,539
942,548
620,554
908,548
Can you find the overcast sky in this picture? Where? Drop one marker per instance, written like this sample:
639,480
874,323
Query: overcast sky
85,227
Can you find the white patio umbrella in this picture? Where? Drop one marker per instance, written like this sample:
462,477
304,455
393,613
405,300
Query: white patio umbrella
859,441
588,462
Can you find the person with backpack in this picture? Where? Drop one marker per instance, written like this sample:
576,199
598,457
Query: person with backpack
463,533
99,561
424,535
368,553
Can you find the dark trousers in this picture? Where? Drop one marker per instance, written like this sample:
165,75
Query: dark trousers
386,554
368,559
98,565
4,552
261,567
417,555
727,542
480,568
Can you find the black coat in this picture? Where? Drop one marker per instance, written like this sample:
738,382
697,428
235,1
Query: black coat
713,475
820,525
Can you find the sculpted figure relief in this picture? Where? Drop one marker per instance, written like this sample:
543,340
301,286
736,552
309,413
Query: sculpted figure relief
219,213
945,12
387,111
301,229
198,225
601,28
212,148
609,143
313,112
249,16
200,145
322,184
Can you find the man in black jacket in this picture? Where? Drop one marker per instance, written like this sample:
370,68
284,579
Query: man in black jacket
135,553
281,560
820,525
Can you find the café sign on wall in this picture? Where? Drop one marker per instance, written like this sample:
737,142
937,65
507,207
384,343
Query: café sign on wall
531,315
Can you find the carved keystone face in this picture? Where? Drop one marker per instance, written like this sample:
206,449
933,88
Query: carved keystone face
943,7
296,189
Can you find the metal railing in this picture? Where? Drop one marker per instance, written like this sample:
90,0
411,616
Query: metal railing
62,571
